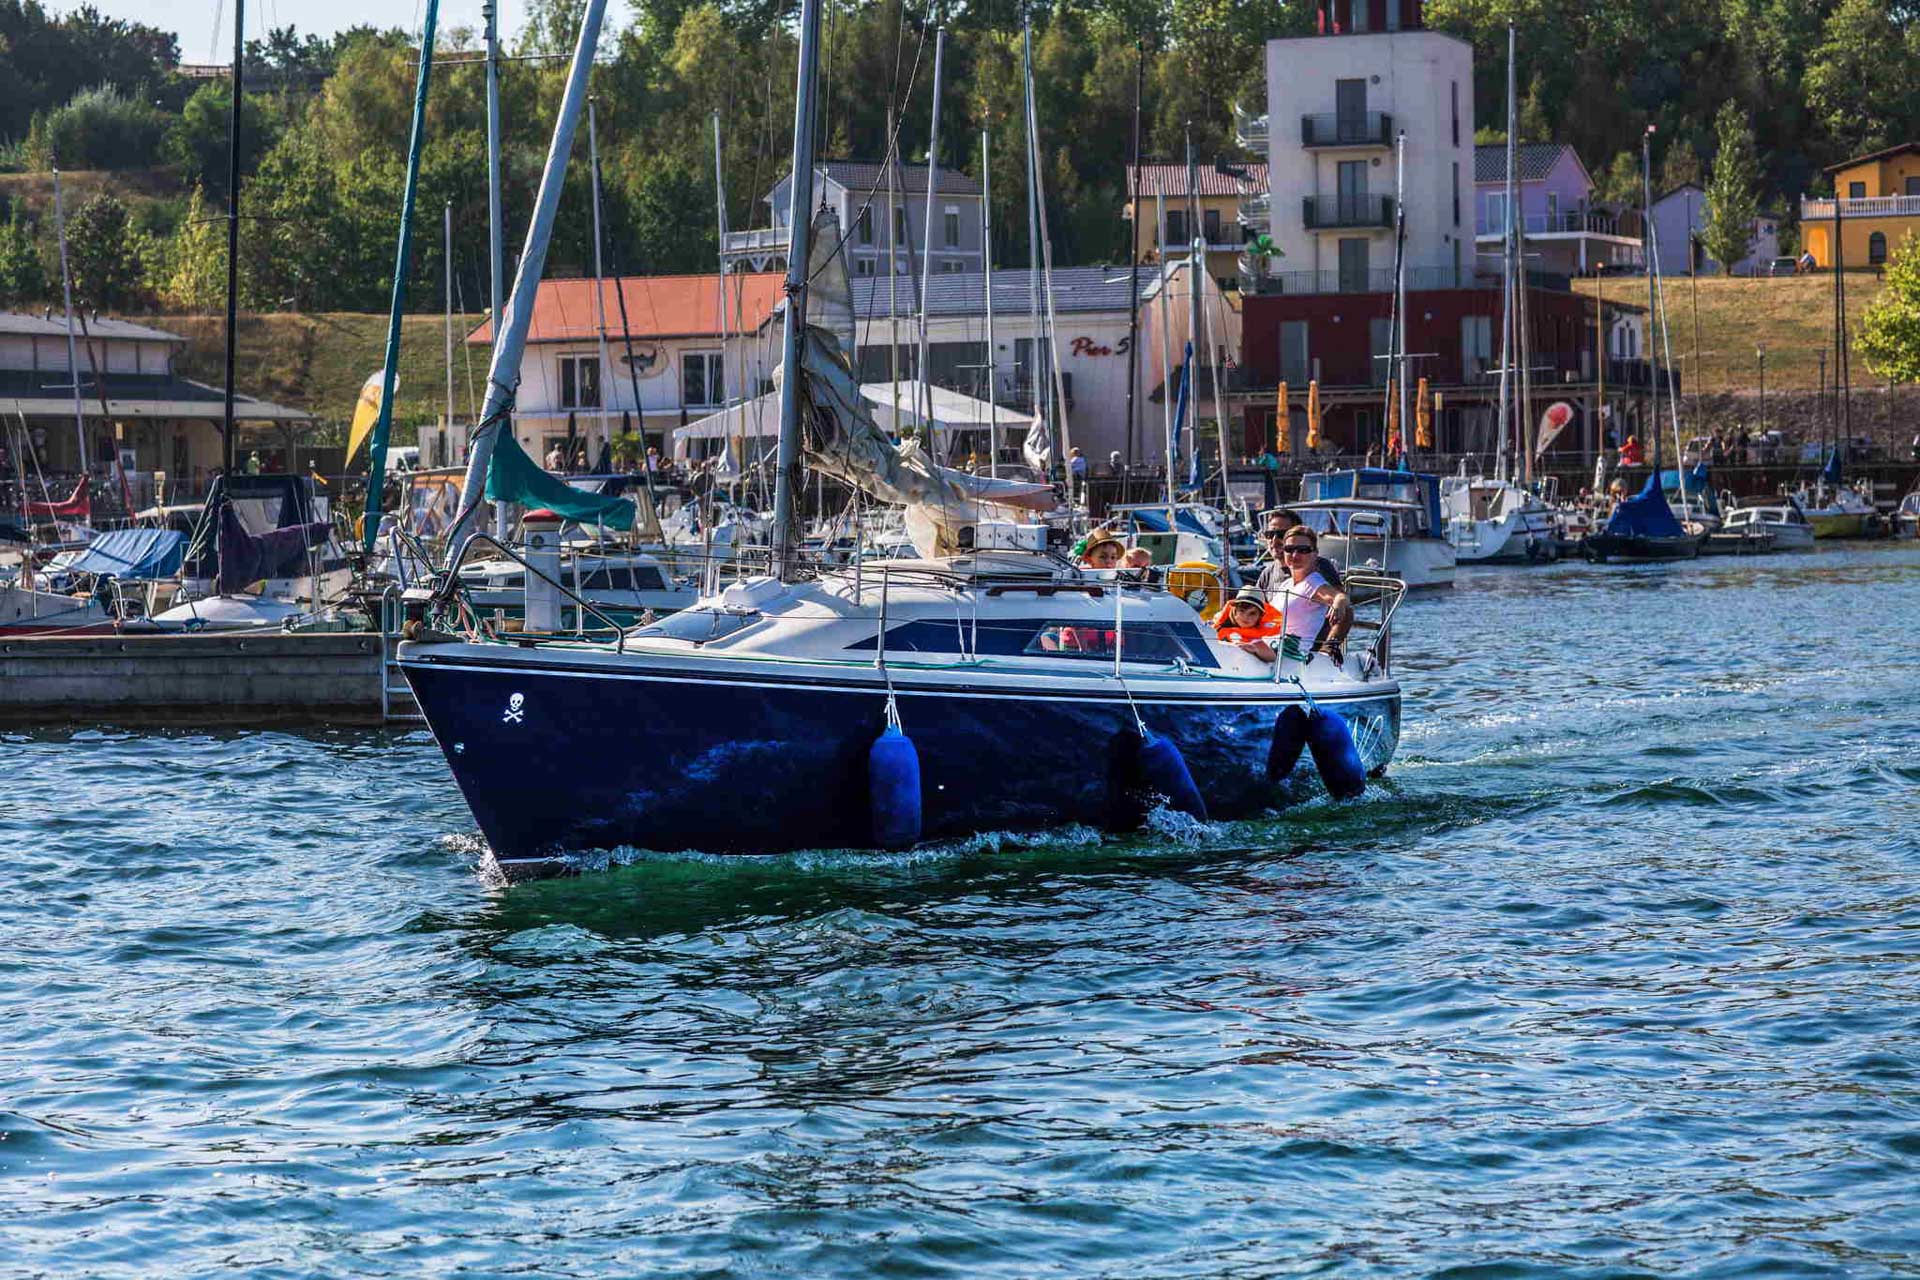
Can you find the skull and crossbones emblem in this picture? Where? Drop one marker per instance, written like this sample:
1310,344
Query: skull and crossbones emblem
515,712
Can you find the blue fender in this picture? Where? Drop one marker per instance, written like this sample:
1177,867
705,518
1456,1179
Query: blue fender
1289,740
1335,755
1163,771
893,786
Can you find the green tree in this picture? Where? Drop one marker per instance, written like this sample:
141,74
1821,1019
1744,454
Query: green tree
198,141
1733,198
194,278
1860,85
1889,338
106,255
23,276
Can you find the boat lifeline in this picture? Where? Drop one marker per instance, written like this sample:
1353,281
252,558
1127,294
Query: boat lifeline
1033,693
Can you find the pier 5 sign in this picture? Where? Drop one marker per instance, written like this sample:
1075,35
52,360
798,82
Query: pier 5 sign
1088,347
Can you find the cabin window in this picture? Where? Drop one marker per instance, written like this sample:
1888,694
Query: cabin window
866,224
638,578
702,380
579,382
863,266
1877,248
1090,637
1856,191
952,227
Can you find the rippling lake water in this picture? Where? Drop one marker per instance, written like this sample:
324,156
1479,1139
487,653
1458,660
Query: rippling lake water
1618,974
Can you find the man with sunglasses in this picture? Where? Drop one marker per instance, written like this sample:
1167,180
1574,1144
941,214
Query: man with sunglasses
1306,587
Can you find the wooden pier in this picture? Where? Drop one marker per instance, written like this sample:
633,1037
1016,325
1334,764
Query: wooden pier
230,679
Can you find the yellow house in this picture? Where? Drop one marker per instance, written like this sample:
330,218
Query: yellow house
1876,206
1220,197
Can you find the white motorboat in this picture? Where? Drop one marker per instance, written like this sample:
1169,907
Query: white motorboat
622,586
1906,518
1493,521
1788,524
1389,520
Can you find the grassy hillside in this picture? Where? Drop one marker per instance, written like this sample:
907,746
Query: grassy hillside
317,362
1791,316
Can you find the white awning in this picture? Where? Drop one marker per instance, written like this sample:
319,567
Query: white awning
952,411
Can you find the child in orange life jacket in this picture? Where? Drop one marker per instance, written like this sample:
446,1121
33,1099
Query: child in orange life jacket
1247,620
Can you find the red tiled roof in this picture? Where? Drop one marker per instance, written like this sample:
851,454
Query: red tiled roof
657,307
1171,180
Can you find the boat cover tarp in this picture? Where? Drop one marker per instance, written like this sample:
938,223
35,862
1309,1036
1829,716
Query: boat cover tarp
1645,515
1831,472
246,558
77,507
514,477
133,554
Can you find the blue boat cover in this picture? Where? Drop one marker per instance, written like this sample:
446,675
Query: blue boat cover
1831,472
1645,515
143,554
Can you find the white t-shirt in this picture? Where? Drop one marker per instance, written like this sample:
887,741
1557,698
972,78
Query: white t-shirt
1302,614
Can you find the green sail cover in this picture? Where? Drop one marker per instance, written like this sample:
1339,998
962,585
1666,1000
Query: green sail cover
513,477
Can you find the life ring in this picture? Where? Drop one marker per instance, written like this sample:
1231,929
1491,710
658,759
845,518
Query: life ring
1200,584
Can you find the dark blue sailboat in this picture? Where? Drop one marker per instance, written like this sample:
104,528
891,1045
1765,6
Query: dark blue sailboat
1643,527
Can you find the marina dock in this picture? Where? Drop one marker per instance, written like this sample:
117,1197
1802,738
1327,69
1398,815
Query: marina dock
238,680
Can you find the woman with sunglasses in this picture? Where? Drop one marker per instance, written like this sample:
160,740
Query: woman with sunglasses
1313,610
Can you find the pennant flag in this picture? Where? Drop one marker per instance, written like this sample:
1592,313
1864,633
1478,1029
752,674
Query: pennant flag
1552,423
366,411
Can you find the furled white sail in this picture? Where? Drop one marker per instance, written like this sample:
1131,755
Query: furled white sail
841,438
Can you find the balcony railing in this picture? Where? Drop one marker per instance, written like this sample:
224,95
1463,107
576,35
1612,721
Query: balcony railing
1256,212
1249,130
1367,129
1861,207
1578,222
1380,280
759,240
1327,213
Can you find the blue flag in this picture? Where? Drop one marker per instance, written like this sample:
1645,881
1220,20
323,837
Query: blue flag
1180,416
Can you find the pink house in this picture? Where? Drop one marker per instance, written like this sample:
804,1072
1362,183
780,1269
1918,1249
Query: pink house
1568,230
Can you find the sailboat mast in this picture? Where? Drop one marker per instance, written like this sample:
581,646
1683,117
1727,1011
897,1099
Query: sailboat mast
986,278
233,240
1166,357
446,263
510,339
496,224
1400,283
73,357
1133,263
1195,256
926,255
402,261
1503,470
600,279
800,225
893,266
726,334
1034,361
1653,382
